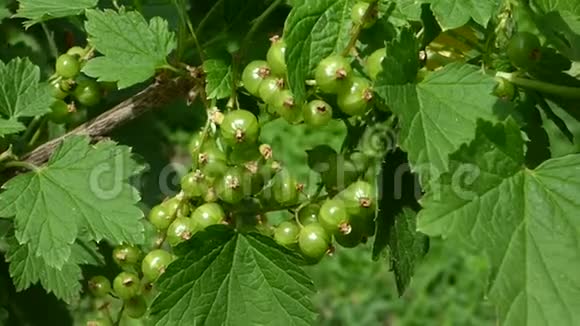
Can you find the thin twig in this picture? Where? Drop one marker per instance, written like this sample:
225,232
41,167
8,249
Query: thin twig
358,28
156,95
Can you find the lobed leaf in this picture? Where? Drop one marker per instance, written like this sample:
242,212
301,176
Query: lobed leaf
21,94
313,31
228,278
27,269
438,114
526,221
37,11
82,188
453,14
132,49
218,78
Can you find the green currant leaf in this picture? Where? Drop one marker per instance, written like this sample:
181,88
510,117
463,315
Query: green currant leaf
83,188
37,11
410,9
313,31
228,278
526,221
435,121
559,21
407,248
21,94
401,64
10,127
132,49
218,77
453,14
27,269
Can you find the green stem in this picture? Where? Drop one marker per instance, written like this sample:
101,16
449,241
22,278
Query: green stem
7,155
170,67
540,86
358,28
256,23
50,39
37,134
32,127
21,165
184,18
205,19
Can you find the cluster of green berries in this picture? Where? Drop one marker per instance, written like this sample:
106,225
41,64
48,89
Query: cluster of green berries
73,91
334,79
348,218
134,284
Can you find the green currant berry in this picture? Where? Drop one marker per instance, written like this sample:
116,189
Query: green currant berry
309,214
374,63
77,117
99,286
135,307
194,184
276,56
358,15
127,256
350,240
176,207
341,172
314,241
504,89
332,73
334,217
160,218
126,285
88,92
77,51
67,66
286,234
524,50
354,99
240,127
147,288
253,75
359,199
57,91
286,107
253,179
195,146
230,188
180,230
269,88
317,113
212,163
155,263
208,214
59,112
285,188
